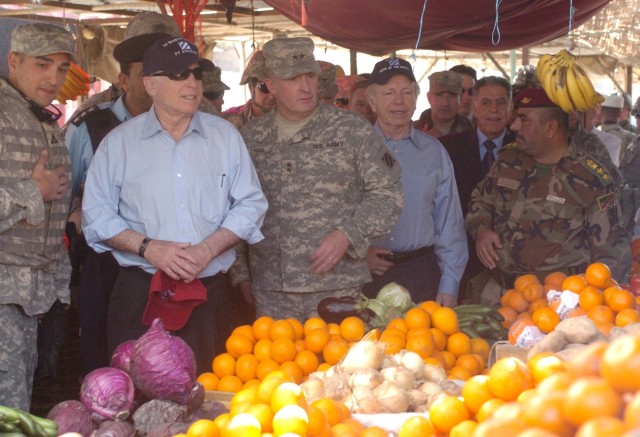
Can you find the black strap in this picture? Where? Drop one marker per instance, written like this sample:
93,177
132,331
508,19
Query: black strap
99,124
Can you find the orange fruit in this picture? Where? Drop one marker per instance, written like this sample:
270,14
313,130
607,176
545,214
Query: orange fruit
417,318
299,343
602,427
559,381
230,383
504,299
422,344
265,367
334,350
509,377
252,383
620,364
523,280
308,361
294,370
298,329
344,430
533,292
223,365
446,412
332,412
439,339
499,427
393,343
244,395
208,380
544,364
203,428
458,372
416,426
238,344
374,431
352,329
398,323
544,410
445,319
287,393
313,323
429,305
246,330
632,412
481,347
262,349
537,304
518,327
470,362
574,283
222,421
246,366
449,359
546,319
291,419
555,279
267,386
333,328
619,300
264,414
476,392
459,344
598,275
517,302
590,297
577,312
316,340
282,329
283,349
487,409
601,314
509,315
590,397
463,429
627,316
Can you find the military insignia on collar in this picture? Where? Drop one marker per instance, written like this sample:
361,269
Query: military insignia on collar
526,100
598,170
388,159
54,140
606,201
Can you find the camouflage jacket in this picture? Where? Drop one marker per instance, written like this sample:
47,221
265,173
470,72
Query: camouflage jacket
335,173
425,124
32,255
240,115
589,143
551,220
630,169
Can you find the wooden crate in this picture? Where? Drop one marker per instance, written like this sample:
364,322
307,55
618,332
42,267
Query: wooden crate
221,396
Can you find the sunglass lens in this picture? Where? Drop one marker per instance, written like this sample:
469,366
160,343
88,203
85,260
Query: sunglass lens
263,87
184,75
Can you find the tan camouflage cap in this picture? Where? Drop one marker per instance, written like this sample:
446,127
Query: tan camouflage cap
290,57
327,85
152,22
445,81
39,39
256,68
212,81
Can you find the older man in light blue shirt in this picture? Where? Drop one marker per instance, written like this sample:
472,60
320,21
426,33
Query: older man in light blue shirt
426,251
173,190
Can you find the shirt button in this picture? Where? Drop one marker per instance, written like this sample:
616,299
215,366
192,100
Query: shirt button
179,175
182,205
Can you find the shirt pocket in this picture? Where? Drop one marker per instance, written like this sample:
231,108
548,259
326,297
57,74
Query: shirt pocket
554,220
209,195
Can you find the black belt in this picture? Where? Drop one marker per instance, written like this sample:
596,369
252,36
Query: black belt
406,256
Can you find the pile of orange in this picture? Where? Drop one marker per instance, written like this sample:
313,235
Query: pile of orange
432,332
594,394
599,295
253,351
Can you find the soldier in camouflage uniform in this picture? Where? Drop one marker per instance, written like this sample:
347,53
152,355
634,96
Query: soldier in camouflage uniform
630,192
610,110
34,196
331,183
545,206
213,89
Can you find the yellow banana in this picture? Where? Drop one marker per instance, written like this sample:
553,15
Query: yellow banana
542,68
561,92
549,83
581,104
588,91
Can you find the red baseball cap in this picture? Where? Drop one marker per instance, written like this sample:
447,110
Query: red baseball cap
172,301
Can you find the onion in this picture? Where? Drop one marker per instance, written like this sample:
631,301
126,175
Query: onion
163,366
400,376
369,378
72,416
392,397
121,358
108,394
412,362
364,354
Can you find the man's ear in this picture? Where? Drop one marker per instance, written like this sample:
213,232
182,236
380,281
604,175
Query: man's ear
123,80
269,83
552,127
149,85
13,61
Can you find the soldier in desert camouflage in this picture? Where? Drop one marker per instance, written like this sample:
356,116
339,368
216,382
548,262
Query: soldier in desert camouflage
545,206
34,200
331,183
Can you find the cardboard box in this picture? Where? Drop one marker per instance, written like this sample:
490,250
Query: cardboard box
223,397
502,349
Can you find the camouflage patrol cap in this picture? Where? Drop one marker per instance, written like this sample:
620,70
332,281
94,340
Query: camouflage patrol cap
212,81
256,68
39,39
152,22
290,57
327,85
445,81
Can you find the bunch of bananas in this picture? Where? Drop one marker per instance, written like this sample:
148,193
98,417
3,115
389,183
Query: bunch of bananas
566,83
481,321
76,84
14,421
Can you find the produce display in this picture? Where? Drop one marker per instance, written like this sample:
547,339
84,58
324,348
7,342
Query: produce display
566,83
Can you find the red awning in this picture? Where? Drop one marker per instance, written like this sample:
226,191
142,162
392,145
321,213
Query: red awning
379,27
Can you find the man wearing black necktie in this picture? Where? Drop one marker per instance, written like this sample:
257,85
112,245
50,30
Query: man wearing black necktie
473,152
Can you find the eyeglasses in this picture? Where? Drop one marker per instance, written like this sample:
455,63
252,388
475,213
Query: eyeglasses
468,91
183,75
263,87
45,114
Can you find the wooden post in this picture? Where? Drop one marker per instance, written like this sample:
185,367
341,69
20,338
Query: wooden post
353,62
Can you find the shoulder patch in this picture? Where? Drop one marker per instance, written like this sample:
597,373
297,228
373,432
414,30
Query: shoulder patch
81,116
389,160
606,201
598,170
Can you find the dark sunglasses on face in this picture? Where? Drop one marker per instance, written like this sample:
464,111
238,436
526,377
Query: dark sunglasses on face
183,75
263,87
468,91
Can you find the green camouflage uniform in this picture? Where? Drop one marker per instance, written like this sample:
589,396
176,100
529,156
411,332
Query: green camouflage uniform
35,266
589,143
562,219
630,169
335,173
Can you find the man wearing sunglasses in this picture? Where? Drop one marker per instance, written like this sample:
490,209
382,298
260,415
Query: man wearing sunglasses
261,101
172,190
34,199
469,77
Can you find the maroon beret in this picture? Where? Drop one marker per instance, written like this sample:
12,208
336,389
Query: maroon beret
533,98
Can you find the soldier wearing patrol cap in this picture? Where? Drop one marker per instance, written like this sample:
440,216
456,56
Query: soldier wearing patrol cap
332,187
327,84
545,205
261,101
35,169
213,88
445,88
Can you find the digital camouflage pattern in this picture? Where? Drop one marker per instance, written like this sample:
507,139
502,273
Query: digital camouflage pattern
152,22
445,81
327,84
39,39
589,143
240,115
565,217
336,172
630,192
256,68
212,81
290,57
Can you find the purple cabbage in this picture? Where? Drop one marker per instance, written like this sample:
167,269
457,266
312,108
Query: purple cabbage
72,416
114,429
108,393
121,358
163,366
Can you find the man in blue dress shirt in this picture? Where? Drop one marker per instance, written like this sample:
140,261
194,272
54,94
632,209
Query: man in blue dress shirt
172,190
426,250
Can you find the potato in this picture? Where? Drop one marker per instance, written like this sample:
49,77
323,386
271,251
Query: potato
552,342
568,353
579,330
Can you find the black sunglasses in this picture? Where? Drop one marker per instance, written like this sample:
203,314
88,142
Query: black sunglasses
183,75
45,114
468,91
263,87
